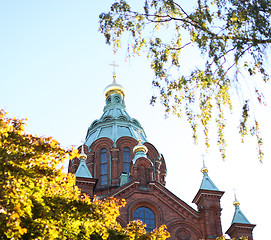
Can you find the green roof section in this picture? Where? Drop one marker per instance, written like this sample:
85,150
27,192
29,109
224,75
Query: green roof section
115,122
207,183
238,216
82,170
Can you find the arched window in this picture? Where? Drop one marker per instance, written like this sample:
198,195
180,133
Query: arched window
126,160
108,100
74,168
117,99
146,215
103,165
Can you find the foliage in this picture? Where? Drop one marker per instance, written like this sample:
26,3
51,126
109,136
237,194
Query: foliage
39,201
241,238
233,37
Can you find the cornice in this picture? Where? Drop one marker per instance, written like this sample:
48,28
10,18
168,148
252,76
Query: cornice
240,226
174,199
207,193
156,189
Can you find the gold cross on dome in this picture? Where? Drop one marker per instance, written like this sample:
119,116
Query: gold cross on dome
204,168
236,202
82,148
203,159
114,65
234,192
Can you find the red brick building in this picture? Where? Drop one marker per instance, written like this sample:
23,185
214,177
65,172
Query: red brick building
118,161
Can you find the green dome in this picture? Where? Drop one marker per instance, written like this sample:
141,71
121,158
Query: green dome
115,121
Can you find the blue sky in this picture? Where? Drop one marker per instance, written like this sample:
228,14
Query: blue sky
54,68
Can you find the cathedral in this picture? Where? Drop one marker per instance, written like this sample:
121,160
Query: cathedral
117,160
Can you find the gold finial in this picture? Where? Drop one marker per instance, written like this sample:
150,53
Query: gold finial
114,71
114,87
204,168
83,156
236,202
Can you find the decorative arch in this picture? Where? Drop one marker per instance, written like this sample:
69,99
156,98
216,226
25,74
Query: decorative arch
94,123
133,120
107,118
152,151
126,141
103,142
73,165
123,118
121,221
144,162
108,100
183,234
143,170
75,161
163,167
158,161
184,229
117,99
74,168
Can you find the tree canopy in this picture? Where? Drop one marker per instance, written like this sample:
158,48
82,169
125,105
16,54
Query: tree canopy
233,37
39,201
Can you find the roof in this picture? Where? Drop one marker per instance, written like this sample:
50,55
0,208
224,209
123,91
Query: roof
82,170
207,183
239,217
115,122
154,188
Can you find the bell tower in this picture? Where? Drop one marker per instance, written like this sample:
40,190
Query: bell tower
208,203
240,226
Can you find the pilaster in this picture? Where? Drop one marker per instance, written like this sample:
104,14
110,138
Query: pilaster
115,165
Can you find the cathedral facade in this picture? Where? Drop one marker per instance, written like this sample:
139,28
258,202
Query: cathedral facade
117,160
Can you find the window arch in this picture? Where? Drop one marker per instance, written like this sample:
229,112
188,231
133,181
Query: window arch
117,99
183,234
126,160
74,168
103,167
147,216
108,100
